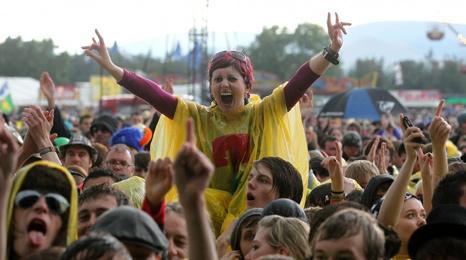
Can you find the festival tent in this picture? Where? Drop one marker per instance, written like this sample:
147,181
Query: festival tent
24,91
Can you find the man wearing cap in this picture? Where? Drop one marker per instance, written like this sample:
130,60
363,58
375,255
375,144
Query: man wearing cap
79,151
351,145
102,129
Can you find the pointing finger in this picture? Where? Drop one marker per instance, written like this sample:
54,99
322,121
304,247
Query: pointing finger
438,111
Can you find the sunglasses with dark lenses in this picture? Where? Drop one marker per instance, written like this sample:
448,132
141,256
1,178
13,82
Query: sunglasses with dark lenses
235,54
55,202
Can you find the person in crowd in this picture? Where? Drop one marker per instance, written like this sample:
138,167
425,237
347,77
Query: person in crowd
79,151
37,141
102,129
270,179
102,151
136,230
134,188
95,201
461,129
335,132
286,208
192,173
243,233
443,237
96,246
452,188
319,171
280,235
401,210
129,136
376,189
85,122
388,128
362,171
9,152
237,126
141,164
120,159
47,88
380,151
349,234
41,210
136,118
78,173
327,145
100,176
175,231
351,145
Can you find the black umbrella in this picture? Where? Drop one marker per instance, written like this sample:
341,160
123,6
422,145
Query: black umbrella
362,103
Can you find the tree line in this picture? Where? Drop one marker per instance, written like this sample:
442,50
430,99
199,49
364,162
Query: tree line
276,50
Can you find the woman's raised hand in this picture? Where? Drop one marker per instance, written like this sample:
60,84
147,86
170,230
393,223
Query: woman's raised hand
98,52
336,31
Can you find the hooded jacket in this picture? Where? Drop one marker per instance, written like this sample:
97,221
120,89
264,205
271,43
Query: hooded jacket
368,198
71,228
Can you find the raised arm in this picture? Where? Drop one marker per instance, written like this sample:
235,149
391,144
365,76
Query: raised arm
9,155
439,131
394,198
40,123
193,171
317,65
141,87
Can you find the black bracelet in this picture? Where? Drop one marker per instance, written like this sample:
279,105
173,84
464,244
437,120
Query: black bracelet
331,56
337,192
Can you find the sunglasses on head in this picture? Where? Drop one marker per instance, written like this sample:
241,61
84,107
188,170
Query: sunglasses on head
55,202
235,54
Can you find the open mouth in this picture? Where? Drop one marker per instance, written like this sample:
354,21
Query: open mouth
36,232
227,98
249,197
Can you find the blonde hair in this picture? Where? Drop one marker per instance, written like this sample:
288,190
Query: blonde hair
361,169
291,233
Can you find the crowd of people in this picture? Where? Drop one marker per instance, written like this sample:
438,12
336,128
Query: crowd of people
243,178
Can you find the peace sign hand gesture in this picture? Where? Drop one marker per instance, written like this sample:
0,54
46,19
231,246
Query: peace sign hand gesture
335,32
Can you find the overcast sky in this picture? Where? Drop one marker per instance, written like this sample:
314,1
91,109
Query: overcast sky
70,23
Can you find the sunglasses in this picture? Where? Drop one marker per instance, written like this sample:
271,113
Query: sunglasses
235,54
55,202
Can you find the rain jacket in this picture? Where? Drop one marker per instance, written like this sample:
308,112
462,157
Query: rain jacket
72,226
265,128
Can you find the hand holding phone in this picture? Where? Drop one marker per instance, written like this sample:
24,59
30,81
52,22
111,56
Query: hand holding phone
407,123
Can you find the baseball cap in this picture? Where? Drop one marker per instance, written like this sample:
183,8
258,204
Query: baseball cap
108,122
352,138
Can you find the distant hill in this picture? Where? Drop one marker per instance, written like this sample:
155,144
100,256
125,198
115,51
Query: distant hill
395,41
392,41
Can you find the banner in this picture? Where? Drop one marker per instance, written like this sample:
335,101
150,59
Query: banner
6,103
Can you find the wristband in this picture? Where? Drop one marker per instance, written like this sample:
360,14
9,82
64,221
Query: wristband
337,192
330,55
46,150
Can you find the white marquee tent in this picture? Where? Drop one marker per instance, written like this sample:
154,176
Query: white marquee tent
24,91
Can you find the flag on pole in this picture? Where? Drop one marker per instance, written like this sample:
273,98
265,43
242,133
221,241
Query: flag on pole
6,103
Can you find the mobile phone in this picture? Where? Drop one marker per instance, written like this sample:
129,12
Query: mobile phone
407,123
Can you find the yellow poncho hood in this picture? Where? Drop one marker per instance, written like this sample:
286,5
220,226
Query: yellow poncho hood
73,199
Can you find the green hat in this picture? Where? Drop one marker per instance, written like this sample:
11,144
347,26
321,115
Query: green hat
59,141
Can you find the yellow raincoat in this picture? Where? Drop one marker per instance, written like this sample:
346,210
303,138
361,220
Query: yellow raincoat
73,200
265,128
